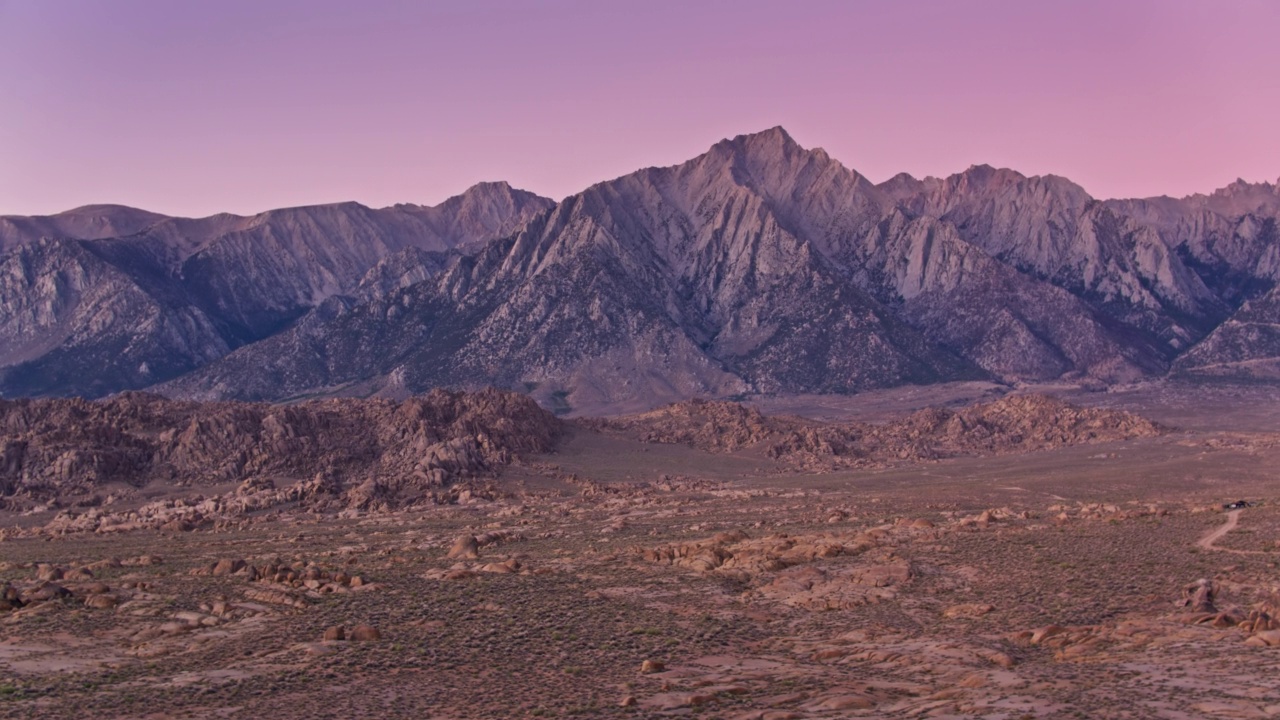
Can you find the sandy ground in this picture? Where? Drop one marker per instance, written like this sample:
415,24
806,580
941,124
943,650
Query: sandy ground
617,578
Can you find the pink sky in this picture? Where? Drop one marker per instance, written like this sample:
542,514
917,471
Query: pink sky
198,107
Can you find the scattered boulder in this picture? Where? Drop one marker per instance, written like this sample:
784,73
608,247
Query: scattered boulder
227,566
175,628
652,666
10,598
509,566
847,702
1266,638
101,602
1259,621
1198,596
967,610
464,548
45,592
274,596
1041,634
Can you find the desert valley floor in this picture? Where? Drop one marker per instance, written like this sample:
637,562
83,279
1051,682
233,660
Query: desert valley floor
647,567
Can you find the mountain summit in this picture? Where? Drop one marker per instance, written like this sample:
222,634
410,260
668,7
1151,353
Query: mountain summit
759,266
87,312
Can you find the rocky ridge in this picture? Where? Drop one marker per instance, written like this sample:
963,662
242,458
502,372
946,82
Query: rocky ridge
218,463
1246,345
762,266
1013,424
758,267
325,454
86,311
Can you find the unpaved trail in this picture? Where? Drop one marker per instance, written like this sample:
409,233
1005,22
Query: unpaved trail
1206,542
1233,519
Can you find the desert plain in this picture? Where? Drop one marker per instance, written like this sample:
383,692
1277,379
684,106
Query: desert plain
961,551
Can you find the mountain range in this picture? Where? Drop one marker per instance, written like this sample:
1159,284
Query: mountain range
758,267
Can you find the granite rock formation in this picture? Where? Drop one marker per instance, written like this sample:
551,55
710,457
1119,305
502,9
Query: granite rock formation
758,267
85,312
352,452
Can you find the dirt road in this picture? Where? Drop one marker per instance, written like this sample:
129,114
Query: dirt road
1233,520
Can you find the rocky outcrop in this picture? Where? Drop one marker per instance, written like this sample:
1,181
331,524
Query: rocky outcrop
716,426
363,453
1016,423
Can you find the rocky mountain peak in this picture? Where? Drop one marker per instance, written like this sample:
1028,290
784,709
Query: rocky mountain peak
492,188
1242,197
771,141
770,155
323,211
488,191
88,222
985,180
107,213
984,177
760,265
901,186
1241,187
493,205
159,298
806,190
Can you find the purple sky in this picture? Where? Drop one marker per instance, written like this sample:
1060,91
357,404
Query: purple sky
197,107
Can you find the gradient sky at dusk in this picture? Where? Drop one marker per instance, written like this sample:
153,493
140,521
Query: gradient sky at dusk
242,105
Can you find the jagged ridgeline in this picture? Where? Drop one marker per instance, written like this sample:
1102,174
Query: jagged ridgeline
758,267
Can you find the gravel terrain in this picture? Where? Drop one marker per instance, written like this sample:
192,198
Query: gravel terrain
619,577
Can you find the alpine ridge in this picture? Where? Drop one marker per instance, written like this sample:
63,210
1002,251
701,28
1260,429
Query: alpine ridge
85,313
759,266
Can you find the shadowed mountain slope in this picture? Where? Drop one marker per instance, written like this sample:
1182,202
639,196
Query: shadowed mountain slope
759,266
698,278
88,315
